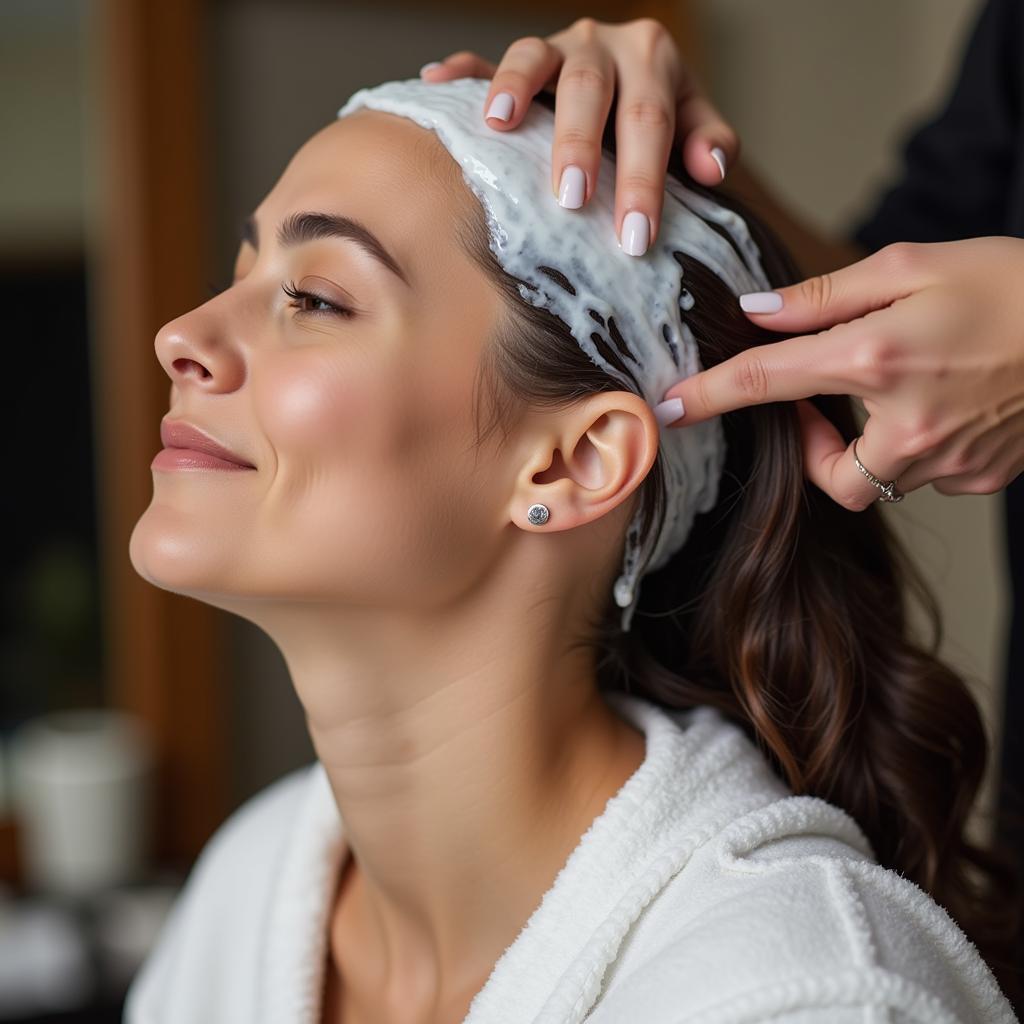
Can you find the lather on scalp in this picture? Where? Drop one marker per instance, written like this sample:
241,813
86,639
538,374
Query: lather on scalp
631,309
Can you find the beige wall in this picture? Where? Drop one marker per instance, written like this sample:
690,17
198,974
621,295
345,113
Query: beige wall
821,94
43,85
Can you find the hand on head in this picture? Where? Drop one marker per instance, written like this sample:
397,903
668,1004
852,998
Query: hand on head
928,336
660,104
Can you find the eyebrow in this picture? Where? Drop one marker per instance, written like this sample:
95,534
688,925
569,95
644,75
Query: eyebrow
308,226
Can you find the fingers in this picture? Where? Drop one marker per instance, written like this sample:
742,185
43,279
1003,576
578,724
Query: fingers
710,145
645,123
529,63
972,462
582,101
1001,474
872,283
829,460
785,370
463,64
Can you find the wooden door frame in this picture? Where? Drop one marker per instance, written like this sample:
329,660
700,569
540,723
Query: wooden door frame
163,653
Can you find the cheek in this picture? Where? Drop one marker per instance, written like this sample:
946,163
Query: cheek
371,490
309,406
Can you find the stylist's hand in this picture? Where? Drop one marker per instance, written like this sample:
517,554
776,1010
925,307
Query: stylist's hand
929,336
659,103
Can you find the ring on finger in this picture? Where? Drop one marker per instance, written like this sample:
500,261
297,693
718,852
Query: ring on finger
889,492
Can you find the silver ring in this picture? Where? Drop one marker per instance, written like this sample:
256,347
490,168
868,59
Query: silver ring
889,492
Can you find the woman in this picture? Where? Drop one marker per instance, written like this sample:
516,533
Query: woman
528,805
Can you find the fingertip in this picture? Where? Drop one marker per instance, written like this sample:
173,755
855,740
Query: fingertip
706,160
428,68
718,155
500,109
670,411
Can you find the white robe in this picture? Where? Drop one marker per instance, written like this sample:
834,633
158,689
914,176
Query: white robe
704,893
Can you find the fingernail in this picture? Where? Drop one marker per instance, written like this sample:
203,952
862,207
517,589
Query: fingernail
501,107
669,411
572,187
718,155
761,302
636,233
427,67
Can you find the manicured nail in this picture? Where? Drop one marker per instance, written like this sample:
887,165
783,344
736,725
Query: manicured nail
427,67
761,302
572,187
668,411
501,107
636,233
718,155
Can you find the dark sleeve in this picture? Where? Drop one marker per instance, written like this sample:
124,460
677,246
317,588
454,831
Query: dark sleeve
959,168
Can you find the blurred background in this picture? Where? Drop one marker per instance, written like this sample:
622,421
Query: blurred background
135,138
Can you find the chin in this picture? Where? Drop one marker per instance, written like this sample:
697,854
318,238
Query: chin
170,560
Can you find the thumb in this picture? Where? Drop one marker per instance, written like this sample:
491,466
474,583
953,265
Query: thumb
822,301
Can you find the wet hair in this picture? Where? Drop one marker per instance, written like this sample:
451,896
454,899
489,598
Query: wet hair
784,610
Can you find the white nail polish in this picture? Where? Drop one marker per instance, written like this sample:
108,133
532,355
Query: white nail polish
501,107
761,302
718,155
427,67
668,411
572,188
636,233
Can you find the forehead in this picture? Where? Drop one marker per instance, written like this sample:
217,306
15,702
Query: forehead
384,170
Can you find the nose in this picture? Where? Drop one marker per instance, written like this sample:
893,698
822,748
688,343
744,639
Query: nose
197,349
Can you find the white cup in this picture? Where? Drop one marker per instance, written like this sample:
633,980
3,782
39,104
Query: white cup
80,783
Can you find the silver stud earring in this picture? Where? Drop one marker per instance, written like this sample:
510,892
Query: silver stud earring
538,514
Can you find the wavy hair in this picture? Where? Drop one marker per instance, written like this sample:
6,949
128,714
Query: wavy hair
784,610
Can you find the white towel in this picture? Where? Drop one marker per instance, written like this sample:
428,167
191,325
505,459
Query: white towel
704,893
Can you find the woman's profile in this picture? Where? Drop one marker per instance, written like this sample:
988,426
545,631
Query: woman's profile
611,725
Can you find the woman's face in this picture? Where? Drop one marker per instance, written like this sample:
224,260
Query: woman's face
359,424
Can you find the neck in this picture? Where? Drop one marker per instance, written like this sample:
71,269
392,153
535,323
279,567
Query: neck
465,774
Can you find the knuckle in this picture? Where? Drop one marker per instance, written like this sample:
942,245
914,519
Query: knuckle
529,47
649,30
583,76
958,462
585,27
876,360
510,79
817,291
648,112
703,395
901,257
574,138
751,379
990,482
635,183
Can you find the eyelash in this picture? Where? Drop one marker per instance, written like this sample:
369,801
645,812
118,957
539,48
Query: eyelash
335,310
298,294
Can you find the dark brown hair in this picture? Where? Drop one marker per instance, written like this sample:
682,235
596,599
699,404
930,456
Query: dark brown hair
784,610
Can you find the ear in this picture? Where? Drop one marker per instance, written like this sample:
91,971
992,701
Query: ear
586,460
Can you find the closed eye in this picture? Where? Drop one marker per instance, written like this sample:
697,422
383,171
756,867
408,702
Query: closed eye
300,296
333,309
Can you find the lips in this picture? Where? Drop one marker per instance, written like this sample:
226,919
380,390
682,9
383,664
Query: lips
179,434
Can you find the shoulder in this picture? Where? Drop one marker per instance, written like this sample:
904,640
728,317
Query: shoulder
207,937
786,911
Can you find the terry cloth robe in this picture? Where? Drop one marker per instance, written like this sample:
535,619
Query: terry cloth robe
704,893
